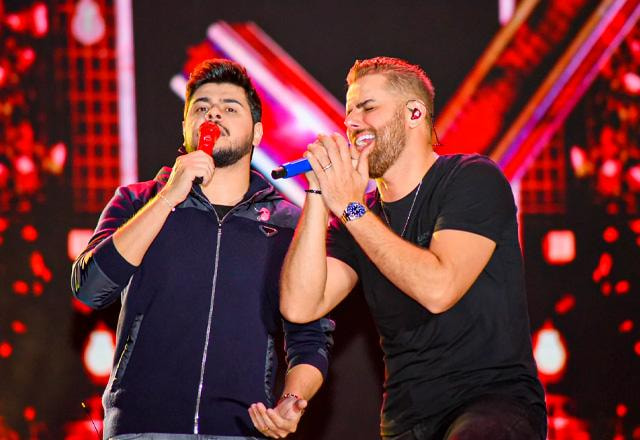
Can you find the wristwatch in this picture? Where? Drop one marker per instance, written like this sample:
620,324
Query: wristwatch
353,211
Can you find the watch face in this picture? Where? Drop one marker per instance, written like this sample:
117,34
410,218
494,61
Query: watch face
354,210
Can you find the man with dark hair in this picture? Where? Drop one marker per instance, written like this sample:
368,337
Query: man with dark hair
436,250
196,267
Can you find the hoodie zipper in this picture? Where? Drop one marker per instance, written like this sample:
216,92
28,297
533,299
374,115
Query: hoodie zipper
196,417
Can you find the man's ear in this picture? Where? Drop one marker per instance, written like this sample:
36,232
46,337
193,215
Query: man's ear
257,134
416,112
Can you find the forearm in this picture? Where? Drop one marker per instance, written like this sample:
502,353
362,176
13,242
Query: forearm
304,272
133,239
416,271
302,380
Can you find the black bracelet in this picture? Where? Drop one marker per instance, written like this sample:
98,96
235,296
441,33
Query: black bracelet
313,191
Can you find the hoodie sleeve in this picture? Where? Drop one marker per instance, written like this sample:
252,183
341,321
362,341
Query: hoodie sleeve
100,273
309,343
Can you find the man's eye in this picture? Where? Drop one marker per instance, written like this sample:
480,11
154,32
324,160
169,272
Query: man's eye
201,109
231,110
368,109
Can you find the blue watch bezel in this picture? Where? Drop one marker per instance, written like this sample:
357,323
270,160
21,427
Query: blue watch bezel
353,211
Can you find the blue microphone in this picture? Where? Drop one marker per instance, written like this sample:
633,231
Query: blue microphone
291,169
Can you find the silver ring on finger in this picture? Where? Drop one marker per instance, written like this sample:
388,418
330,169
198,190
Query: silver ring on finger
327,167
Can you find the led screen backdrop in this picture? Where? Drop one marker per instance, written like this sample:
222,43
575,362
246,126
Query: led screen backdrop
550,90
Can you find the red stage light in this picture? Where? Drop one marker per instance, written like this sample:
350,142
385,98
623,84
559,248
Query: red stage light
606,288
29,413
579,161
636,348
77,240
626,326
33,20
621,410
559,247
29,233
5,349
18,327
550,353
622,287
565,304
98,353
610,234
4,224
20,287
632,82
25,165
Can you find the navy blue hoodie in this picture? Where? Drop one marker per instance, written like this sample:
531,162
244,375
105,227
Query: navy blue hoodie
195,336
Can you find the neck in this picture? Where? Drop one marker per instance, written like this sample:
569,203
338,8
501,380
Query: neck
228,185
406,173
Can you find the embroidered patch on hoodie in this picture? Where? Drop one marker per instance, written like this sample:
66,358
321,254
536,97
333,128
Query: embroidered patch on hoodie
268,231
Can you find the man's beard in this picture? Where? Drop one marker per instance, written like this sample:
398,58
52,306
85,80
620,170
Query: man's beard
390,142
225,157
228,156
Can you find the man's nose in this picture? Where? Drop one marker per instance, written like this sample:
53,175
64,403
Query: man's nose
214,114
352,121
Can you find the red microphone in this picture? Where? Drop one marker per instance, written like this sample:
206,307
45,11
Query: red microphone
209,134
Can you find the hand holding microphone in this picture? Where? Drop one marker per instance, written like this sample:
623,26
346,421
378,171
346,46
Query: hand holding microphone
209,134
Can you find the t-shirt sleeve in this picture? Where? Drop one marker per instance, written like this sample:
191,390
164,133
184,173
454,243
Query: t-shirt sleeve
477,199
340,244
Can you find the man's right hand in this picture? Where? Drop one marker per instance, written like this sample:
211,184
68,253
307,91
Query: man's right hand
186,168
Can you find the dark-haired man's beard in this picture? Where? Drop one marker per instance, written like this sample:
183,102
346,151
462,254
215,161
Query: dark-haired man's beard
390,141
225,157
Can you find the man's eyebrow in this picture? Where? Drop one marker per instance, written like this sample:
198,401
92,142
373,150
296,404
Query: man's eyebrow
362,104
232,101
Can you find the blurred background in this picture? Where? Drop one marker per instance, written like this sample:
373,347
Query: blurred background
91,98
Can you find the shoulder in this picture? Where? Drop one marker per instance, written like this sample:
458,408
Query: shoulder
470,169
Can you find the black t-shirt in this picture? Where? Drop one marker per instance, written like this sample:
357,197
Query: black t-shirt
482,345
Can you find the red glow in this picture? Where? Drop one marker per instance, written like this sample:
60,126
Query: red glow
38,266
621,410
612,208
606,288
98,353
559,247
37,287
4,224
25,59
550,353
18,327
579,161
80,307
565,304
632,82
610,234
605,264
633,179
622,287
20,287
636,348
633,224
626,326
25,165
5,349
77,240
29,413
29,233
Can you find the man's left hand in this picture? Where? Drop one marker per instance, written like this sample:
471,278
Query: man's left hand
342,172
280,421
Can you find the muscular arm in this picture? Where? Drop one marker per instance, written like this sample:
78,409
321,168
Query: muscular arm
311,283
436,277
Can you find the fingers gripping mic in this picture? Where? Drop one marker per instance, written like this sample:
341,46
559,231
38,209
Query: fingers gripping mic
209,134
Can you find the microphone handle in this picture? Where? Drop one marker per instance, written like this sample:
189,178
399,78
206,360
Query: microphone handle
291,169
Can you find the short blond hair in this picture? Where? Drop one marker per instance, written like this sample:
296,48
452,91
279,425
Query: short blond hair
401,75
